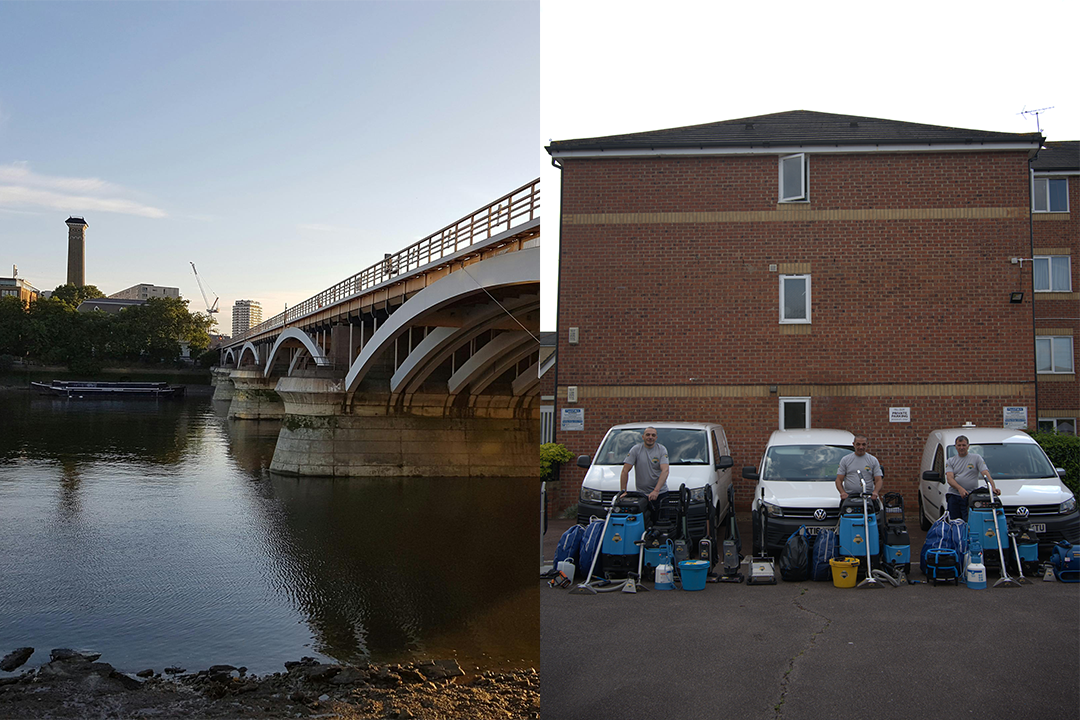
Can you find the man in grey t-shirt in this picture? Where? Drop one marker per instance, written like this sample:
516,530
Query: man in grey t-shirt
859,462
962,473
649,459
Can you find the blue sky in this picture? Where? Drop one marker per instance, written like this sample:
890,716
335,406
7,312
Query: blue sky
281,146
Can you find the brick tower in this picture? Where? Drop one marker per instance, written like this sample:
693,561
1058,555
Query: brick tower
76,271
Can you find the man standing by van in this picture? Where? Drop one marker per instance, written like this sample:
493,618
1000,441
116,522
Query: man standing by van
650,462
851,465
962,472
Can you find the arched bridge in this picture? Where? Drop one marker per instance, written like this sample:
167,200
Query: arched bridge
436,343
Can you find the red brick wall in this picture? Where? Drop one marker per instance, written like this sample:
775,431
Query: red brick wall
1059,398
915,301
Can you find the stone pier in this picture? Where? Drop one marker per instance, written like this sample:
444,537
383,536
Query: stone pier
318,437
254,397
223,386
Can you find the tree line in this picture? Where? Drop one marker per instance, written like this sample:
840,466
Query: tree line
51,331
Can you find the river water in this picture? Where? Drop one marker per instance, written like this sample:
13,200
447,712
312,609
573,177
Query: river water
153,532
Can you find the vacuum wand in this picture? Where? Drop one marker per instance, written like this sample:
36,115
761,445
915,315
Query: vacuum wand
870,580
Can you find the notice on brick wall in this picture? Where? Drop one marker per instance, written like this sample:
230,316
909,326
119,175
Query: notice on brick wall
899,414
1014,418
572,419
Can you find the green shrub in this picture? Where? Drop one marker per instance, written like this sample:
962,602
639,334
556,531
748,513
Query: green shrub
1064,452
551,455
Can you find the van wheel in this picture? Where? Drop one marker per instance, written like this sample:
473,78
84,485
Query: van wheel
923,522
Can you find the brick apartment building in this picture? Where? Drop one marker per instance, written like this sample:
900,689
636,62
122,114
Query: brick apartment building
806,269
1056,254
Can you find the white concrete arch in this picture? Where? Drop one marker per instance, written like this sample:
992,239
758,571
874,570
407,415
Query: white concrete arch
228,358
491,361
440,343
295,338
512,268
245,350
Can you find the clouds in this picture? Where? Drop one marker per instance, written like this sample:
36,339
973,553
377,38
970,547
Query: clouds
22,189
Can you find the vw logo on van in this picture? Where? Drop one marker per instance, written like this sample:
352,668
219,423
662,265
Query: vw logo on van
819,514
1021,512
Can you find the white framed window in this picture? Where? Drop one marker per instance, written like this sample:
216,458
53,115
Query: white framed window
795,299
794,178
1050,194
794,413
1052,273
1064,426
1054,353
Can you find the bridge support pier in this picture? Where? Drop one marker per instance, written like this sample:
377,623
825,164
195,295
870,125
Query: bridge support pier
497,439
254,397
223,386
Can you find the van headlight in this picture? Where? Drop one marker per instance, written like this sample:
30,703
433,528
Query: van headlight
591,496
773,510
697,494
1068,506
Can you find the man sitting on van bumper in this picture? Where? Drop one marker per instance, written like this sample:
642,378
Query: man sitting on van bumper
962,472
650,462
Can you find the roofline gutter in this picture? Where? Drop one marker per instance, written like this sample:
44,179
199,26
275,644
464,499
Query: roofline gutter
1037,173
1031,147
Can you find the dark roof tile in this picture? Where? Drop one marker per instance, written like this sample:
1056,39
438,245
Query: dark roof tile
1063,155
793,128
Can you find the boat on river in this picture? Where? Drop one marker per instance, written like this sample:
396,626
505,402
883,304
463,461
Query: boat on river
85,389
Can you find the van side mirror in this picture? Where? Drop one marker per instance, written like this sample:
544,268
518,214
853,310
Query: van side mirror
584,461
750,473
1061,473
931,476
723,462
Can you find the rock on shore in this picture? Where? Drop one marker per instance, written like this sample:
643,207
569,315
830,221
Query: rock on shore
75,685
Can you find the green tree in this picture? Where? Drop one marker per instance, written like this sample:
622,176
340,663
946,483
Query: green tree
73,295
14,324
1064,452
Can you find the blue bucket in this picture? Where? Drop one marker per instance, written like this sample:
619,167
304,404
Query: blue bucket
693,574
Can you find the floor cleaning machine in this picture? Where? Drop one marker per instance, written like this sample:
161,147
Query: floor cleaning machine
986,520
897,542
858,531
762,568
619,549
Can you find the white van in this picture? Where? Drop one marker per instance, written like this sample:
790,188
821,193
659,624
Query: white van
1030,485
698,457
797,475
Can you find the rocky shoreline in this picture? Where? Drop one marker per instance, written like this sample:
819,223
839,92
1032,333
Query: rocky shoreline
76,685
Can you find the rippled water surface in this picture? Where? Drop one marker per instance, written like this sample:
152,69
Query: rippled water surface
153,532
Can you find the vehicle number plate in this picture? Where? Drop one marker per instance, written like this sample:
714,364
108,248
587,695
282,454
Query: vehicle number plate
1037,527
813,530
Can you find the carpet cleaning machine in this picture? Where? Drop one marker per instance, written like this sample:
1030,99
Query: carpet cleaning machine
986,521
858,531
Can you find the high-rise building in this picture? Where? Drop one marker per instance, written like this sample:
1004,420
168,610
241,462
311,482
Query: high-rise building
76,269
245,314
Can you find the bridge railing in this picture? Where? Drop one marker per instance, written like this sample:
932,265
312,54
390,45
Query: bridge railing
514,208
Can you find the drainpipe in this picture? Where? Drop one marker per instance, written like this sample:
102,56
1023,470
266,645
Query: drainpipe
1031,254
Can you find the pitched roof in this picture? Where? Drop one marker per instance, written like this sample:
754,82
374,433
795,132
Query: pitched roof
1063,155
793,128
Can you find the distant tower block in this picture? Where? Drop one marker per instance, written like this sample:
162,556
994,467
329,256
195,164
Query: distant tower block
76,274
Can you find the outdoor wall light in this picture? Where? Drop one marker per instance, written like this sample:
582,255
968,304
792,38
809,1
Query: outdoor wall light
1016,297
772,388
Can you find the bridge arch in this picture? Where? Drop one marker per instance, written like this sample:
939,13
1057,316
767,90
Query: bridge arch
293,339
248,353
228,357
509,269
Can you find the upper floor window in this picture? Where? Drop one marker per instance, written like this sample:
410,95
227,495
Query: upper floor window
794,178
1054,354
1050,195
1052,273
795,298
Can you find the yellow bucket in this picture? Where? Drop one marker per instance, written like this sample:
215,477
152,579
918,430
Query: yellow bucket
844,571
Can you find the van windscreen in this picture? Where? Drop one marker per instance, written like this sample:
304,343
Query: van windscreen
1012,461
803,463
685,446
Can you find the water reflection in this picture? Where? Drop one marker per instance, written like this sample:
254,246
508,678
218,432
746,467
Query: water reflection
153,532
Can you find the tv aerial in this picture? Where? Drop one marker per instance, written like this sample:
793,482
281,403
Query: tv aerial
1025,112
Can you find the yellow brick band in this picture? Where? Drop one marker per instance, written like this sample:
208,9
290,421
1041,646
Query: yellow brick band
800,215
744,391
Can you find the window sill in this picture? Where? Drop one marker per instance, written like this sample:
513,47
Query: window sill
1056,377
792,204
795,328
1044,215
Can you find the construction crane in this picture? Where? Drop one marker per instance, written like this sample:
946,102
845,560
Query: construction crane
210,309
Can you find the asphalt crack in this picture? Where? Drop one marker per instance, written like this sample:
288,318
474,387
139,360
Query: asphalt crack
779,706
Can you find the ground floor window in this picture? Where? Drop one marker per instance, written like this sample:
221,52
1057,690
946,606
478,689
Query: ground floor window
794,413
1065,426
